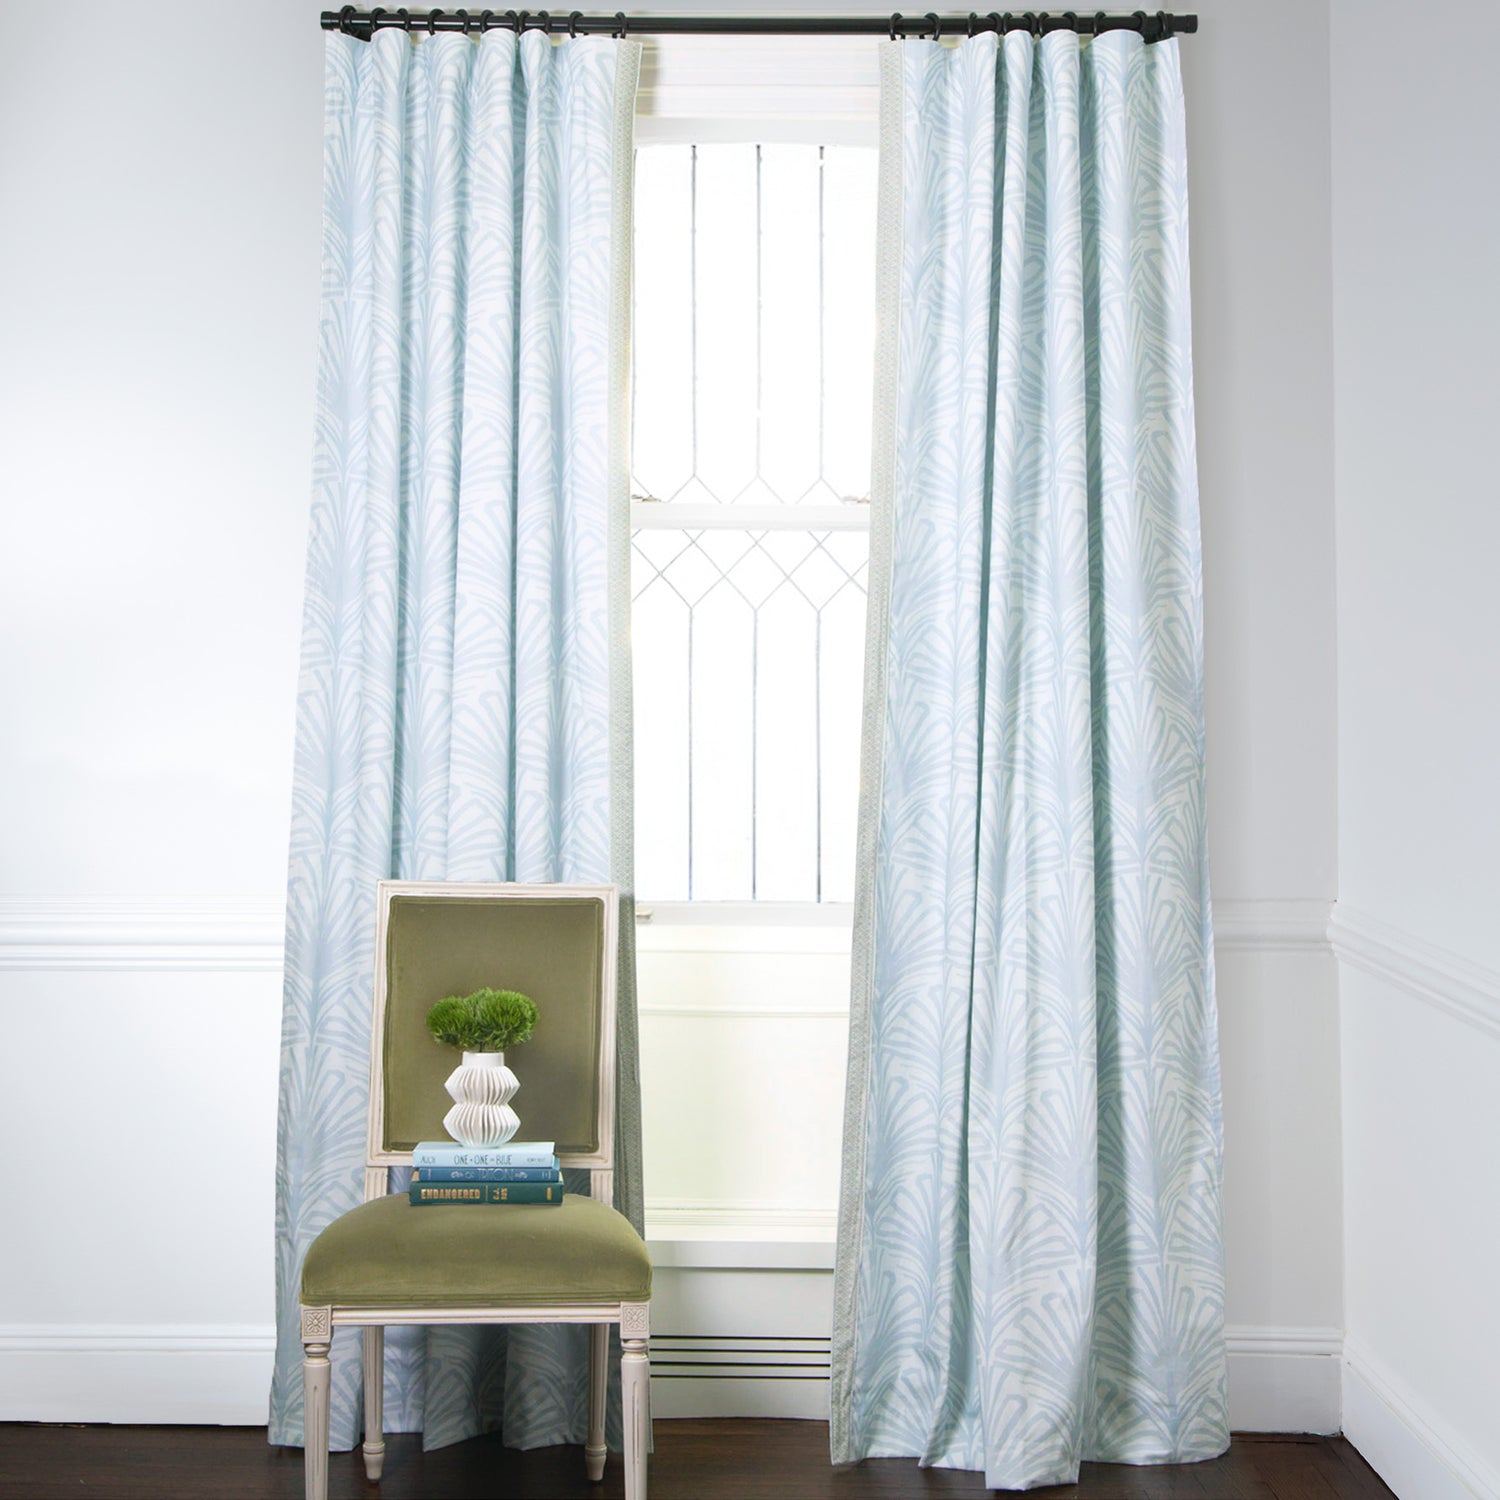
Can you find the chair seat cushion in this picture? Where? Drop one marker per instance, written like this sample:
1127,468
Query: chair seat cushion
389,1254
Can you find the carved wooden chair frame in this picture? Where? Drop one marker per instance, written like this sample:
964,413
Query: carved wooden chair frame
632,1318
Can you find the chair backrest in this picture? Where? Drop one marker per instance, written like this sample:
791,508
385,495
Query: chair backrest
555,943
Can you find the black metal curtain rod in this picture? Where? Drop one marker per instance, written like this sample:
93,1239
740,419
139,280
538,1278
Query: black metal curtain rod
1154,27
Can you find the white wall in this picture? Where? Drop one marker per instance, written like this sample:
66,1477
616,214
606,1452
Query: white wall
162,201
161,247
1262,343
160,191
1416,161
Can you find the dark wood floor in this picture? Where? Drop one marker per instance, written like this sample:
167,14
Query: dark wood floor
741,1460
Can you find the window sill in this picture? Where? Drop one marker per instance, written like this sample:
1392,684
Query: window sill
685,1247
744,927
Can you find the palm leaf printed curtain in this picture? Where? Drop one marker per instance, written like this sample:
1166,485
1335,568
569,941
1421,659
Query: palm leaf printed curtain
463,712
1030,1267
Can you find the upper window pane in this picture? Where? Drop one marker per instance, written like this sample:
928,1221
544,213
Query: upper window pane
754,286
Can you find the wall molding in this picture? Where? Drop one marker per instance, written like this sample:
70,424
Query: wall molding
162,934
1258,1338
244,934
1407,1443
1293,925
1438,976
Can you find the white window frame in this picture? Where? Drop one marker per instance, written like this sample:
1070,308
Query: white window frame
815,91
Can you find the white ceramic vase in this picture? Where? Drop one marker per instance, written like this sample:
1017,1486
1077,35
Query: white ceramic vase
481,1088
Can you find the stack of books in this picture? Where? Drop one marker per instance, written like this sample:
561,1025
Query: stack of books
517,1172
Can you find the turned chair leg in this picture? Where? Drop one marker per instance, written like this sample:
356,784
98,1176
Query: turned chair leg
635,1392
594,1452
317,1379
374,1448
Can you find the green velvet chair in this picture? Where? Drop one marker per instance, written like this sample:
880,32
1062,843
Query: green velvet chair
387,1263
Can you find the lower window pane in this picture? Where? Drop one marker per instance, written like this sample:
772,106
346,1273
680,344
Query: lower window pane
748,659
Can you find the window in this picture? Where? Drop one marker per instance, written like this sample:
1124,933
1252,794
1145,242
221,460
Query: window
753,349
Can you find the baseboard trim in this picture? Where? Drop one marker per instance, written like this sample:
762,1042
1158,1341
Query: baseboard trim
211,1374
1284,1379
1280,1379
1412,1448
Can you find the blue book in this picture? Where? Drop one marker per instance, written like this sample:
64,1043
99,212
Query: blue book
512,1154
491,1174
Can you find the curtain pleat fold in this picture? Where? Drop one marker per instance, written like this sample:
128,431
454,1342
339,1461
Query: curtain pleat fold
459,706
1030,1268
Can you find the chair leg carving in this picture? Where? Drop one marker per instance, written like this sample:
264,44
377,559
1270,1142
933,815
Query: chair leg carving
374,1447
635,1391
317,1380
594,1452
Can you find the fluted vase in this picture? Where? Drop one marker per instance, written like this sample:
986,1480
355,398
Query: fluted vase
481,1088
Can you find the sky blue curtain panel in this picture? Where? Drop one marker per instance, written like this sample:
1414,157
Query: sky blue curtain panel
463,711
1030,1265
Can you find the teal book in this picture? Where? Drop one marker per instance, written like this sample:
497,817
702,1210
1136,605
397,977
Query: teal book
491,1174
425,1194
512,1154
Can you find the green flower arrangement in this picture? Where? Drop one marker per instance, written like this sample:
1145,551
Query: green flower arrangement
486,1021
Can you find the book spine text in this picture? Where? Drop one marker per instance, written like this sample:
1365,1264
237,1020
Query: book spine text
426,1194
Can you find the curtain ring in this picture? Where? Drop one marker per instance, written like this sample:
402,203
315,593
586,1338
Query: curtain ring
973,22
1034,23
895,22
1071,17
521,21
937,26
485,17
344,16
462,17
623,24
573,21
544,21
1164,21
996,25
1098,23
1139,17
432,17
404,16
